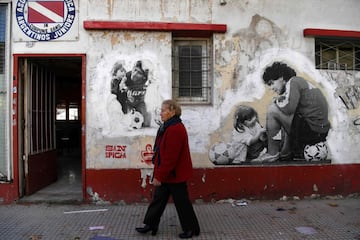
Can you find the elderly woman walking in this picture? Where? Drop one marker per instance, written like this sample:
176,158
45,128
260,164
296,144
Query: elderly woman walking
172,168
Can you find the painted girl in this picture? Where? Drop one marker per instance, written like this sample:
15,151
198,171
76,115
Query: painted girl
248,137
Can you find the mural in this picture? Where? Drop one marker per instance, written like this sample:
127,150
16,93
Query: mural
297,124
130,89
248,141
254,119
321,128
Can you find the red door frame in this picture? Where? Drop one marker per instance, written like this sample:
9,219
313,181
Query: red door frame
15,120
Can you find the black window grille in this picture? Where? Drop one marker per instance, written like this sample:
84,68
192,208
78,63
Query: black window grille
337,54
191,71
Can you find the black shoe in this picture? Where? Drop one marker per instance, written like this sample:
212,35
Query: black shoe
146,229
189,234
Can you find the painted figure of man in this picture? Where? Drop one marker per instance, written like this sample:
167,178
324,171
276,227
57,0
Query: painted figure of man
130,89
298,116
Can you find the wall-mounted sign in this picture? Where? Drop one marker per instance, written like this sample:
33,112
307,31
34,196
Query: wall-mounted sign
46,20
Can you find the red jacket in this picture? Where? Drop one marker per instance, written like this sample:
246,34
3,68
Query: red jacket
175,161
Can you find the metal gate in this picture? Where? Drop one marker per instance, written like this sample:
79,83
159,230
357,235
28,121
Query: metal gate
39,146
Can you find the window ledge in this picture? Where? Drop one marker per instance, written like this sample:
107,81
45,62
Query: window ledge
317,32
179,29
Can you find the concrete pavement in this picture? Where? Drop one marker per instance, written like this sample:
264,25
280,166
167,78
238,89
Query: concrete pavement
330,218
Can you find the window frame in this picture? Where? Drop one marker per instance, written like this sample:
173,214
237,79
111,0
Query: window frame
206,71
68,108
339,48
7,169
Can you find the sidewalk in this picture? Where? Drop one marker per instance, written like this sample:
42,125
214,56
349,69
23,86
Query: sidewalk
291,219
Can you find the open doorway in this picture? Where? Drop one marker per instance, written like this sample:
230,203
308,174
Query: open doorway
50,132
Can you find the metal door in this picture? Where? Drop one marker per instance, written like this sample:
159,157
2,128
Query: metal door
39,140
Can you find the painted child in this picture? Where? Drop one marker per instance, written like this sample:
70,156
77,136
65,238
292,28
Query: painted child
248,137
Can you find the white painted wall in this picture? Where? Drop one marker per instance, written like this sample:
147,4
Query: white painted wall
259,32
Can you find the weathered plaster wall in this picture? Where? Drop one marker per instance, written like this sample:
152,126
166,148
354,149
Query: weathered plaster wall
157,10
259,32
107,124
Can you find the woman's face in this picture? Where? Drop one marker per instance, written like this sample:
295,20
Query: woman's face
166,113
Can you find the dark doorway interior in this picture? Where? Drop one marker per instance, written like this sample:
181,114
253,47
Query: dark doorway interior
68,186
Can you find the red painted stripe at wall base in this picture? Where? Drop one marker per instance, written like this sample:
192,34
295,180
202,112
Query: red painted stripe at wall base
8,193
219,183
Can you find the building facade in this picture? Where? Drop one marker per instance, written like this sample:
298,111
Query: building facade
91,76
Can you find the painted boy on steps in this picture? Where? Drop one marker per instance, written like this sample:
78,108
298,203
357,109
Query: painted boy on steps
299,113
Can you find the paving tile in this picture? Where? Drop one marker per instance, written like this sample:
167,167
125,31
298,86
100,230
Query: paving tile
305,219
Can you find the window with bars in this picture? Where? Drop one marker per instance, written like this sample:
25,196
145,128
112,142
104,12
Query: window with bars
337,54
191,68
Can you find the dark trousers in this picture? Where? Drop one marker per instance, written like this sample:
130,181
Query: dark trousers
184,208
302,135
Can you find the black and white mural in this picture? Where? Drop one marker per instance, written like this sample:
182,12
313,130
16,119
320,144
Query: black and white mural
302,118
270,104
296,125
129,87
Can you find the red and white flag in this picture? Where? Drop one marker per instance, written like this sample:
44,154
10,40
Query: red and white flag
46,11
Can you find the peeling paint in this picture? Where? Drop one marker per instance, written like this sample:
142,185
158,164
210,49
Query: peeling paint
203,179
95,198
110,7
145,173
114,40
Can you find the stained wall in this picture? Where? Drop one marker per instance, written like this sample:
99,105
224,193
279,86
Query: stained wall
258,33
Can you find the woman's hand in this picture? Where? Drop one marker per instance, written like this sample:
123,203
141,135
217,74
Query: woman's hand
156,182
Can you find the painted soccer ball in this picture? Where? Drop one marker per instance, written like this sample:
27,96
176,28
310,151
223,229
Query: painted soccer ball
316,152
137,120
219,153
